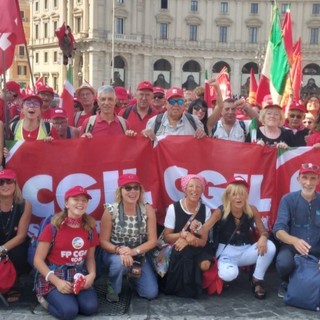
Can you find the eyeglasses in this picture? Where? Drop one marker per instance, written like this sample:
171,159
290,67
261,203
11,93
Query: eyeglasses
298,116
310,166
7,181
158,97
179,102
129,188
307,122
59,124
32,103
197,108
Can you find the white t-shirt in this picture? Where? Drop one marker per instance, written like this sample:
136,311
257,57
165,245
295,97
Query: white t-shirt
170,220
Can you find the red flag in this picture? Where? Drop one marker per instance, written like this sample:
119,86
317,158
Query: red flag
39,83
67,101
296,70
11,32
252,98
224,83
208,96
287,34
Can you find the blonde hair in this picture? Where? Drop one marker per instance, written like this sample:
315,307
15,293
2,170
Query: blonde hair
118,196
232,189
88,223
17,194
263,112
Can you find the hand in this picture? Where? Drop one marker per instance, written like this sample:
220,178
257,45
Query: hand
87,135
6,152
200,133
261,143
64,286
302,246
126,260
130,133
48,139
282,145
89,280
262,245
148,133
180,244
195,225
123,250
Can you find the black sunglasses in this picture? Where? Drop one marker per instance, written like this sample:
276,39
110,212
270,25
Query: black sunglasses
197,108
298,116
7,181
129,188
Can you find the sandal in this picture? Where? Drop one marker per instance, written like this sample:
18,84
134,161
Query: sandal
258,289
13,296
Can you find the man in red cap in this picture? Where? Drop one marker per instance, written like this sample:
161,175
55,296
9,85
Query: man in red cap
59,120
46,93
294,122
12,96
121,99
174,121
158,101
139,114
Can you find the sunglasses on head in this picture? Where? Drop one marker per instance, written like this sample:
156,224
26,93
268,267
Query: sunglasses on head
179,102
298,116
7,181
129,188
197,108
309,166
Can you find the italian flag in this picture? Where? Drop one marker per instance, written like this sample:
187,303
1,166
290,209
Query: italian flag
276,64
67,101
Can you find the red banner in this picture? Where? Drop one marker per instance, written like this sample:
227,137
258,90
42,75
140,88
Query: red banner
47,169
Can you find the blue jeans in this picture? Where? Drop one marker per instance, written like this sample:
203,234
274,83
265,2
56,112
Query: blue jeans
285,261
68,306
146,285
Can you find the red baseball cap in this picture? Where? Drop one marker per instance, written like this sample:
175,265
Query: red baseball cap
121,93
295,105
128,178
59,113
8,174
145,85
77,191
174,92
32,96
158,90
268,102
13,86
45,89
309,168
238,180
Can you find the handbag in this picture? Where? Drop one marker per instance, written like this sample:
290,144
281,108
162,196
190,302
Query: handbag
304,284
8,274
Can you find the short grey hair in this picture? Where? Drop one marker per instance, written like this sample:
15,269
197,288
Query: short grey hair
106,89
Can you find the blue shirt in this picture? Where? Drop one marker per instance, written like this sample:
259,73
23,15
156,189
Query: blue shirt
300,218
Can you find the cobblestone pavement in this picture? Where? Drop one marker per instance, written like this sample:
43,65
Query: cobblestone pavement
236,301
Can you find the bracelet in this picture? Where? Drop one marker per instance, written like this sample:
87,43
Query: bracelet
116,249
48,274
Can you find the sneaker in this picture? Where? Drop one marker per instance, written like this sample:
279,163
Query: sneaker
111,296
43,302
282,289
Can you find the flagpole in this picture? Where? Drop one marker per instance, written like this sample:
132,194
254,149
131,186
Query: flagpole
29,64
6,109
112,42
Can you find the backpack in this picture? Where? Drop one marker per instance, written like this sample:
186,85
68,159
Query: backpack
127,112
242,125
92,120
159,118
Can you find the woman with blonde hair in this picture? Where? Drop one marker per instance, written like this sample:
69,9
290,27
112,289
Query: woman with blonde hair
235,219
65,260
128,233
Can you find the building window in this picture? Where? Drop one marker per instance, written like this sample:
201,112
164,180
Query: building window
223,34
163,31
224,7
316,8
164,4
37,57
45,30
55,3
254,8
194,5
36,31
284,7
314,35
21,51
22,70
46,57
120,26
46,4
120,1
55,25
37,6
193,33
253,34
55,83
78,24
55,56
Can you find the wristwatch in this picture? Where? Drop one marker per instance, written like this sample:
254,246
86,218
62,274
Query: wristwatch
3,250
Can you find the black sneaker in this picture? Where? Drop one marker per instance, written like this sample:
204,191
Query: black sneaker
111,296
282,289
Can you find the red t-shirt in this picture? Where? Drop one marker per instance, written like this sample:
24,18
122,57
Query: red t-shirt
70,244
313,139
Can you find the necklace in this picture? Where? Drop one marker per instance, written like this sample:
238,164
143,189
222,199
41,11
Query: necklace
6,218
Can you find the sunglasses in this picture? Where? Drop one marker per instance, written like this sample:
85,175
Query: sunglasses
298,116
197,108
32,103
7,181
158,97
129,188
179,102
310,166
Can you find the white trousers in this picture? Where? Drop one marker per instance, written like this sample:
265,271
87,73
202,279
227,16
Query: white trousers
233,257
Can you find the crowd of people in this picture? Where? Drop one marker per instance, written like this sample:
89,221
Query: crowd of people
65,258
